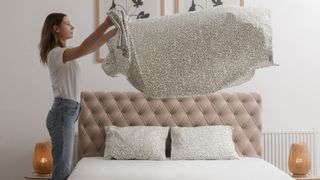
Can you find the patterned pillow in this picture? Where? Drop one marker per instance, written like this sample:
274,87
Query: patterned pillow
205,142
136,142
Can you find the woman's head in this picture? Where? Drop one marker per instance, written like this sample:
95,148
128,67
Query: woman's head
55,31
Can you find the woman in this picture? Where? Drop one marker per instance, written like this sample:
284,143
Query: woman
64,75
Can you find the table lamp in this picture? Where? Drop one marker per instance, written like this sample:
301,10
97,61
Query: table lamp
299,160
42,158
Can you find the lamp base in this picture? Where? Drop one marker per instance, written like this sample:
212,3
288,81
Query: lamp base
42,175
299,175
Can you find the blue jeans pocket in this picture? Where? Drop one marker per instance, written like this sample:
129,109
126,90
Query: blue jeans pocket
71,112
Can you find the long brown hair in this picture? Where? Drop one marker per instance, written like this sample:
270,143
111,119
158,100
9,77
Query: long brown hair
49,38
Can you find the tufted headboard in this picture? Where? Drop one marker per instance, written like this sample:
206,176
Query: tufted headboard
99,109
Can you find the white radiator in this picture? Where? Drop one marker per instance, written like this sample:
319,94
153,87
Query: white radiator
276,147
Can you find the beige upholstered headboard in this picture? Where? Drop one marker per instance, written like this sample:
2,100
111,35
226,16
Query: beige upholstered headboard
99,109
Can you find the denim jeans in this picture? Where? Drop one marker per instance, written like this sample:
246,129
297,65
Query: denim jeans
61,120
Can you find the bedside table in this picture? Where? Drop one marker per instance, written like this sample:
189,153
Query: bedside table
308,178
43,177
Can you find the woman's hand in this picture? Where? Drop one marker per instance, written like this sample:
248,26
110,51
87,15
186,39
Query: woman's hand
108,22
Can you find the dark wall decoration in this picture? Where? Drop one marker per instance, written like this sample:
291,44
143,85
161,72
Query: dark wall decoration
198,5
132,8
194,6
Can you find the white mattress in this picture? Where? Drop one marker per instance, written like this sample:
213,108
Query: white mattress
98,168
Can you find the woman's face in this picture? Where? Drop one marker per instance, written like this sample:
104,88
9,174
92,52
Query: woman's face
65,29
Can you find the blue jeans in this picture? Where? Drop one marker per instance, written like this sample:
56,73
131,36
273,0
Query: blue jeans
61,120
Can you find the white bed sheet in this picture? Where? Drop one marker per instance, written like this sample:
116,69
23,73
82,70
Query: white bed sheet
98,168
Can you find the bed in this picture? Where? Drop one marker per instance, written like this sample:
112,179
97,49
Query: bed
240,110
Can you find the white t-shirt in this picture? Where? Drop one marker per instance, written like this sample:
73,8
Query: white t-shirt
65,77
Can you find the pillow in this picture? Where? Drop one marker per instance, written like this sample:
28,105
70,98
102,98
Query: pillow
136,142
205,142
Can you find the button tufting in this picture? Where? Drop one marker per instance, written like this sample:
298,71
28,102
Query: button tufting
210,107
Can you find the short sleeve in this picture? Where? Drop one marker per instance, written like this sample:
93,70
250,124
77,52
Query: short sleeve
55,57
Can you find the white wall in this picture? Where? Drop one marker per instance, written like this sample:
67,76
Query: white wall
290,91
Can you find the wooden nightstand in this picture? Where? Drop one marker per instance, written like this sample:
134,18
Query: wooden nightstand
43,177
308,178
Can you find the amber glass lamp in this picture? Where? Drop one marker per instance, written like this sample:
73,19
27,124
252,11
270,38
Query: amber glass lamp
299,160
42,158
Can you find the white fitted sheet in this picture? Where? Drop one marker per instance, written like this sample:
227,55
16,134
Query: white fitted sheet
99,168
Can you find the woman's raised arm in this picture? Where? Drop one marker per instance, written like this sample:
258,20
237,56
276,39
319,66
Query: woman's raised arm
91,43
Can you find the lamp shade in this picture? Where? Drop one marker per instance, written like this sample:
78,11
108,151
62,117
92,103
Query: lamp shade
299,160
42,158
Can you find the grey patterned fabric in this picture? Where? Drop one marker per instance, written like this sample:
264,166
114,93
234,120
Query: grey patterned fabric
190,54
205,142
136,142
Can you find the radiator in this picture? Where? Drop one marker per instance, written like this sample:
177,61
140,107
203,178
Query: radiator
276,147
